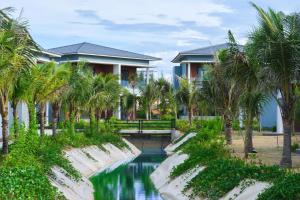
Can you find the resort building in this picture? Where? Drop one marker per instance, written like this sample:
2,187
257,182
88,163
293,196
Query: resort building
100,59
192,64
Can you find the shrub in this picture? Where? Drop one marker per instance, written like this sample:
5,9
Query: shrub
28,183
286,187
167,117
182,125
294,147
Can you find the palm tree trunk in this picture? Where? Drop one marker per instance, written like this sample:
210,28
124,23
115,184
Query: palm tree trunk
248,143
4,115
287,119
32,115
228,129
15,118
105,114
97,119
190,113
134,107
55,113
42,118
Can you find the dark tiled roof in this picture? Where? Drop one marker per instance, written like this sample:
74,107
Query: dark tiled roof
204,51
98,50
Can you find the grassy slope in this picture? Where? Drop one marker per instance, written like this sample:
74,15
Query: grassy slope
224,172
23,173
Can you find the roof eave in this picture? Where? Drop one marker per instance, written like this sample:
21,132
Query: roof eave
111,56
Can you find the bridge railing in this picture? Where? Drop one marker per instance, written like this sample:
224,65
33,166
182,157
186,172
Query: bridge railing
141,125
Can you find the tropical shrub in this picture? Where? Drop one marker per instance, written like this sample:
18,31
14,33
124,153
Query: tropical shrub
182,125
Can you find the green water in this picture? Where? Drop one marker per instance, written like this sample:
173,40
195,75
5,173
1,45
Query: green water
130,181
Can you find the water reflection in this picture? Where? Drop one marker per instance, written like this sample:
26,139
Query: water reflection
129,182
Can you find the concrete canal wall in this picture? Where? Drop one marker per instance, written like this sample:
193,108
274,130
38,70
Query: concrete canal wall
89,161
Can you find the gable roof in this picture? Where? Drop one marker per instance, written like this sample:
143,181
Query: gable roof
204,51
86,48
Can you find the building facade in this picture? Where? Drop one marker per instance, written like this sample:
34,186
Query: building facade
192,64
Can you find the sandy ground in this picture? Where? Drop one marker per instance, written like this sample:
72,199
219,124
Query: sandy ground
269,148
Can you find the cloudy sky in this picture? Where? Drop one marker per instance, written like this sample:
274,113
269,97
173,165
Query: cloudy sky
159,28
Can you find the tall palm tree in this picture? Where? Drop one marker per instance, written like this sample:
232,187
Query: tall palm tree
275,43
16,48
245,71
222,92
17,95
188,95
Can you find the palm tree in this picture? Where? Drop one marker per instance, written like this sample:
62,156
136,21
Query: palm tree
245,71
44,82
16,48
163,87
222,92
78,93
149,95
105,95
188,95
127,100
17,95
275,44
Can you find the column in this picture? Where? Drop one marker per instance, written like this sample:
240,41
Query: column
279,124
188,72
117,71
47,113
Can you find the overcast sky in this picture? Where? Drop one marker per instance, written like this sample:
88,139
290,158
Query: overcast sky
159,28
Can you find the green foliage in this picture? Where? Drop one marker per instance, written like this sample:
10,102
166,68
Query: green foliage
31,158
294,147
284,188
222,175
223,172
28,183
206,146
167,117
182,125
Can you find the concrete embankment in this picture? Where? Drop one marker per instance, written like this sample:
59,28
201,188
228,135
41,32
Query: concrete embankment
89,161
172,189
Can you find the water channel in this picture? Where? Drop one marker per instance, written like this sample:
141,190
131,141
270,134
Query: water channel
132,181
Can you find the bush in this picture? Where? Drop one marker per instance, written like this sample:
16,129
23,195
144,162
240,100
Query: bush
28,183
182,125
284,188
222,175
294,147
167,117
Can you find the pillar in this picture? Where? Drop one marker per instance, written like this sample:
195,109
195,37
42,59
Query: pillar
117,72
188,72
279,124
